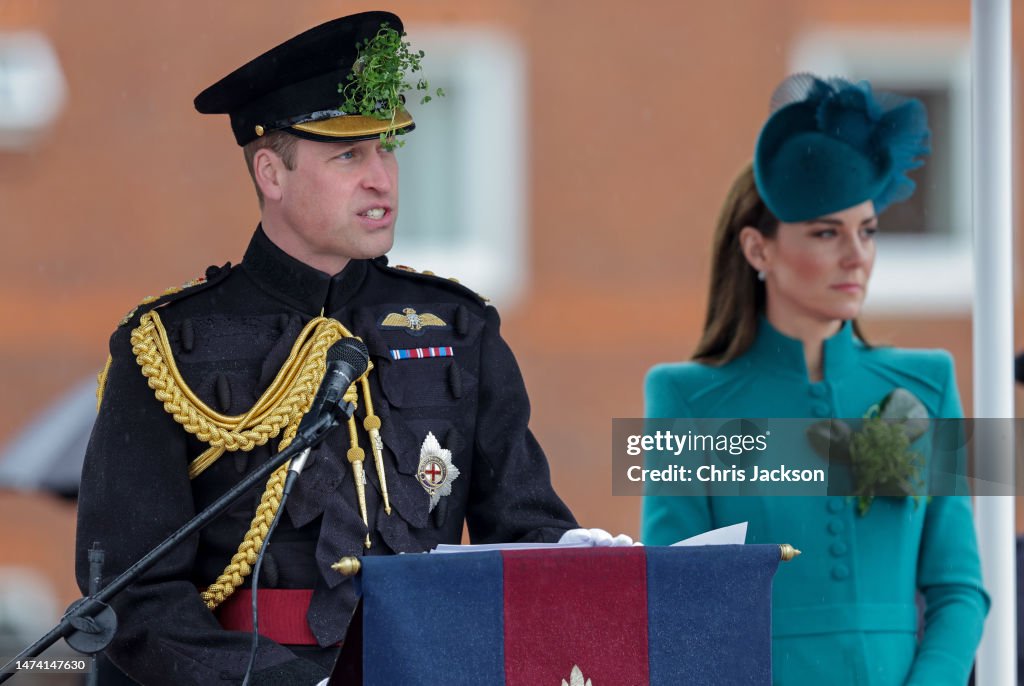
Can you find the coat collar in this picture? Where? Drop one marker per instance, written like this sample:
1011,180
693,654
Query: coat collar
301,286
773,349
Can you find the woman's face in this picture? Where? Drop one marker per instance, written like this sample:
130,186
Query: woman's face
819,269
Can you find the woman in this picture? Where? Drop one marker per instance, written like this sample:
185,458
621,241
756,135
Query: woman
793,254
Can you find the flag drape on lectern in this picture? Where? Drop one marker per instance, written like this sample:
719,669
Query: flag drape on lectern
621,616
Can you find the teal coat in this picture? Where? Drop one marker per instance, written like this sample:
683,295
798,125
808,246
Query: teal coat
844,612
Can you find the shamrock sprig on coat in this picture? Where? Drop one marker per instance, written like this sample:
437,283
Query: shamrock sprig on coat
878,451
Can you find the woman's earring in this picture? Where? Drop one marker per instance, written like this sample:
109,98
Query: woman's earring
760,275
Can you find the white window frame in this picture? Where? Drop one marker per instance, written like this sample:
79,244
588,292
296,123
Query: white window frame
919,274
489,252
32,88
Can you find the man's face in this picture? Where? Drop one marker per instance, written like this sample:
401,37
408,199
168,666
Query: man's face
339,202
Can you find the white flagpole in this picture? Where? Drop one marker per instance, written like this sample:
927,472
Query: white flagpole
991,105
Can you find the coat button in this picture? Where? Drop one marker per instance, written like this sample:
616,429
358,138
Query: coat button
836,505
838,549
818,390
821,409
455,380
461,320
188,336
836,526
840,572
223,392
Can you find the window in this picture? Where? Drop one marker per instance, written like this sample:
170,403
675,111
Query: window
31,88
462,207
924,258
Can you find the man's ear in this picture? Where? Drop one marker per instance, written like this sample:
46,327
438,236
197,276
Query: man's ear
754,247
269,171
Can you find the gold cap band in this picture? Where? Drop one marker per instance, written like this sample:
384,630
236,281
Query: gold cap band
352,126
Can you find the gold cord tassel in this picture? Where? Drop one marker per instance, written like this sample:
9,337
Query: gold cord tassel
372,425
355,457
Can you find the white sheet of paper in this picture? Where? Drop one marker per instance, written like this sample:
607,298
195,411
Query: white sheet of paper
488,547
727,535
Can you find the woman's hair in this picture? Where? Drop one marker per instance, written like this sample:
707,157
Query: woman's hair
736,296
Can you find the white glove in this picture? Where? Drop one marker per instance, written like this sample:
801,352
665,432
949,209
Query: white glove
595,538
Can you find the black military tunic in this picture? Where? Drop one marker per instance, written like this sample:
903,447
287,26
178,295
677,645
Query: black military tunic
229,338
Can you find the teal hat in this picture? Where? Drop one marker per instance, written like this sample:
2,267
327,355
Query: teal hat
830,144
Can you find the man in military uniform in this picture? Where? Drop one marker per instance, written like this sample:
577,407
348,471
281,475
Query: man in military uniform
444,403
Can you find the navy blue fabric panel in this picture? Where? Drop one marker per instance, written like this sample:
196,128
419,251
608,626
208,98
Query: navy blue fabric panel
432,619
710,614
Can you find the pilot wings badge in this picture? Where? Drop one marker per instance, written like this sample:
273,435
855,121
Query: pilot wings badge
436,471
412,322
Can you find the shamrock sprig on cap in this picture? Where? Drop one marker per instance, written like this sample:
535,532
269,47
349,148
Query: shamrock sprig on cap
379,79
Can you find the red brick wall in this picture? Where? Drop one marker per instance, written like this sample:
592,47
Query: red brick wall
640,114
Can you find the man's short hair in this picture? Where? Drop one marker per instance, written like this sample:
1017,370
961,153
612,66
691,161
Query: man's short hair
281,143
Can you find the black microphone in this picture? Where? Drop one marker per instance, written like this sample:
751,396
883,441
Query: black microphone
347,360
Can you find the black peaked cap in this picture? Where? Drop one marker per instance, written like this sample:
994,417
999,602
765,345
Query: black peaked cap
294,81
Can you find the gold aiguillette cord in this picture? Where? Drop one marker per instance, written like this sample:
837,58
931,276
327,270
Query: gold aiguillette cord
356,455
372,426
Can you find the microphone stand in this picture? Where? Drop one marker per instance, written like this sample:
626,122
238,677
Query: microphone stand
89,624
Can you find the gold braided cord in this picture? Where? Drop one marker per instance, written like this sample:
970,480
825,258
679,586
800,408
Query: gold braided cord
289,395
101,382
278,411
152,327
244,559
295,366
